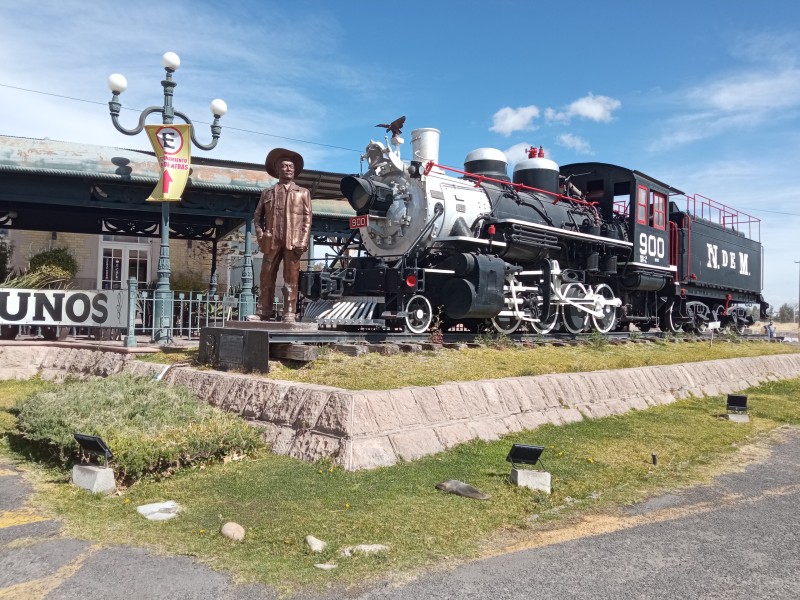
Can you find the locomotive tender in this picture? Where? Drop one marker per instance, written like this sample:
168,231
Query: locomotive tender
584,247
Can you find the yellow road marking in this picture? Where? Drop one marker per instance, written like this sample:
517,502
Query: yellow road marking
593,525
5,472
23,516
39,588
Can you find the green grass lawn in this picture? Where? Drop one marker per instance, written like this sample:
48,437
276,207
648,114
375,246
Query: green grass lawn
597,466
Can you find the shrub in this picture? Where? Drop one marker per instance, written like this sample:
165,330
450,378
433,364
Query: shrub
56,257
6,252
150,427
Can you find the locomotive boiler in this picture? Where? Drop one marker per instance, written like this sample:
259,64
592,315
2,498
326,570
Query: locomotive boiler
585,247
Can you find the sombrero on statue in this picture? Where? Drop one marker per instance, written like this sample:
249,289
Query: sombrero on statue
278,154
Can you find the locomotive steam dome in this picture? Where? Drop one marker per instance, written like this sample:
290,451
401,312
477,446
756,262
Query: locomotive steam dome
540,173
487,161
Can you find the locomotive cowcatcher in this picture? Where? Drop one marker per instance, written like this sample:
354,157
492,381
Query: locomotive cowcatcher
584,247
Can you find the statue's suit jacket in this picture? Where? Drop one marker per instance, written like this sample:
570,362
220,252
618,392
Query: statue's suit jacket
294,227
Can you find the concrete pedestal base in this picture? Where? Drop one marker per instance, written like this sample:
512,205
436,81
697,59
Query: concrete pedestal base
738,417
535,480
98,480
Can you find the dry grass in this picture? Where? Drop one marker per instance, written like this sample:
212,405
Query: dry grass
374,371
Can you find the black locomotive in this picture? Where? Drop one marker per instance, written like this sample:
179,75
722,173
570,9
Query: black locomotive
588,246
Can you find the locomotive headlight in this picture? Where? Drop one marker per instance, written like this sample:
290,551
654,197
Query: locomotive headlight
367,196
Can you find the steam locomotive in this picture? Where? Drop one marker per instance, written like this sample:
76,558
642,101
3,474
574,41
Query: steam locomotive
578,248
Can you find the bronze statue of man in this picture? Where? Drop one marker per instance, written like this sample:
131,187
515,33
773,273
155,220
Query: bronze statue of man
283,228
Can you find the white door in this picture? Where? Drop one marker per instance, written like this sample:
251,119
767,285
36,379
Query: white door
120,261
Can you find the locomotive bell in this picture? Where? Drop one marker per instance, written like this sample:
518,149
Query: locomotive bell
367,196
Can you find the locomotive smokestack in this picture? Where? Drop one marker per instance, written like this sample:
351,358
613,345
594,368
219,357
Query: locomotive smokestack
425,145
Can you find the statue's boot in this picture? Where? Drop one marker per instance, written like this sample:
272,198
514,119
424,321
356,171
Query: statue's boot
266,302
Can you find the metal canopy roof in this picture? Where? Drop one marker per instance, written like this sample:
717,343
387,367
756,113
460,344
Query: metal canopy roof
62,186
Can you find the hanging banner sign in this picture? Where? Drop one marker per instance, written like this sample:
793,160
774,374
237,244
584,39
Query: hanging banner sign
171,144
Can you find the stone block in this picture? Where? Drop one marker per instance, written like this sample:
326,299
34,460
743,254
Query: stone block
383,411
473,399
568,415
410,445
363,422
493,398
513,394
532,420
488,429
311,446
534,480
335,415
97,480
428,401
406,408
738,417
450,435
452,401
370,453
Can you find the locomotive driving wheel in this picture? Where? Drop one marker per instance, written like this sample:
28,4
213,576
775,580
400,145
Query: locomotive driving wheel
506,324
573,318
419,314
669,319
543,327
605,323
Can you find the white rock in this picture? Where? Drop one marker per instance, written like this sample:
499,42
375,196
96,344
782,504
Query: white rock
325,566
159,511
315,544
364,549
233,531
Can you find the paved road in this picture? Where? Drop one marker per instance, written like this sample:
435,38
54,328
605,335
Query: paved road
737,538
37,563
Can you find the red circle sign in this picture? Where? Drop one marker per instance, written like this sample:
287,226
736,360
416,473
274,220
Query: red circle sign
170,139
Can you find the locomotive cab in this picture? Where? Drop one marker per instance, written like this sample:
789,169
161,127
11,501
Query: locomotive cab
637,204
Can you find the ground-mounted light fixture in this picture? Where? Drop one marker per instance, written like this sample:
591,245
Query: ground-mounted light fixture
94,478
523,454
94,446
736,406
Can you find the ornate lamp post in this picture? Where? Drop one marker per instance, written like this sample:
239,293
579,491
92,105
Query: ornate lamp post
162,309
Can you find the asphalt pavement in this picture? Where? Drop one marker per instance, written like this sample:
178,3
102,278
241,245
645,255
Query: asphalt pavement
737,538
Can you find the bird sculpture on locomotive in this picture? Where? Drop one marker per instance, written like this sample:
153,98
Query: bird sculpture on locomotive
473,248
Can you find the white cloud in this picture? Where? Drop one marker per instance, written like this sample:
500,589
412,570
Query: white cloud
507,120
591,107
516,153
274,84
758,92
574,142
765,89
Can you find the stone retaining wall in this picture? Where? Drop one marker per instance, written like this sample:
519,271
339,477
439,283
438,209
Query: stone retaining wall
368,429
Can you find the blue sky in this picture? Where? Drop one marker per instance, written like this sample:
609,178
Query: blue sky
703,95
